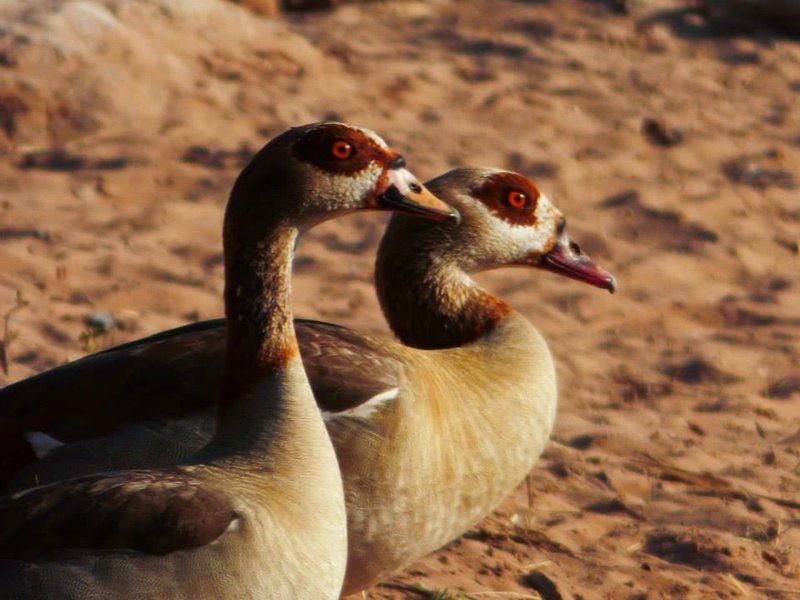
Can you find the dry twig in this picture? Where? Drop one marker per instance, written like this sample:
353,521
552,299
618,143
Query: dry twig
712,485
9,335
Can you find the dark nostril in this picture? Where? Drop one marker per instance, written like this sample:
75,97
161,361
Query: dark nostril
574,247
398,162
415,187
562,223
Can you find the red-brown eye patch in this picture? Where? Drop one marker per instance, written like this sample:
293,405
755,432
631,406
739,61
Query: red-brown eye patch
510,196
339,149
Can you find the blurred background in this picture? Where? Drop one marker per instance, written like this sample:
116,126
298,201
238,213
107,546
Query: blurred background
668,131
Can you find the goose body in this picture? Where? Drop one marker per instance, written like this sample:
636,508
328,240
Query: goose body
205,530
431,431
462,431
259,511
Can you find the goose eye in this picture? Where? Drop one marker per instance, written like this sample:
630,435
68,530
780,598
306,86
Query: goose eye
516,199
341,150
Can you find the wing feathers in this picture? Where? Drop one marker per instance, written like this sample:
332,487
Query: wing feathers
171,374
150,512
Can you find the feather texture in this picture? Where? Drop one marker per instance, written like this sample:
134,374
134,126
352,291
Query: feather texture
153,513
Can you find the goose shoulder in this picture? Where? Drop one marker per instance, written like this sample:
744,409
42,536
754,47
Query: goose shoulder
350,373
178,371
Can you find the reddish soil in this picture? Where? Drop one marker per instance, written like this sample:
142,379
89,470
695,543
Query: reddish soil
671,141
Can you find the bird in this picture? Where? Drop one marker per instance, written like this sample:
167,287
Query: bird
258,511
431,430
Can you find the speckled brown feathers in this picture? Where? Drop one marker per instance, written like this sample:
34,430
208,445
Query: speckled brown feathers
172,374
153,378
83,383
345,367
153,513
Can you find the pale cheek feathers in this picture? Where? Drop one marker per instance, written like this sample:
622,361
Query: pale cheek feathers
521,240
348,189
547,216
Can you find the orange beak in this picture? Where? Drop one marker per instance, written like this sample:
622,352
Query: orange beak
402,192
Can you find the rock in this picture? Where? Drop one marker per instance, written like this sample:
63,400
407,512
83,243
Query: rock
783,388
544,586
692,549
583,442
698,370
760,171
657,133
11,106
100,322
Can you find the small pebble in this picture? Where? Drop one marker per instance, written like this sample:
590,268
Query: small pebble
101,322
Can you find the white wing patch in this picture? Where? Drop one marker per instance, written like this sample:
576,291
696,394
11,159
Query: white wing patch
41,443
366,409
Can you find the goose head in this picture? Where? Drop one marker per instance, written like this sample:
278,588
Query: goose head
318,171
507,221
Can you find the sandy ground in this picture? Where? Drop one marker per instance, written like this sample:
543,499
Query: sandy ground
674,470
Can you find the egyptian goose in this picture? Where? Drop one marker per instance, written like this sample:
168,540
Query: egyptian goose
469,373
259,512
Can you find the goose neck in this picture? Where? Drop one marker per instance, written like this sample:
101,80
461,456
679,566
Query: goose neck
430,302
263,380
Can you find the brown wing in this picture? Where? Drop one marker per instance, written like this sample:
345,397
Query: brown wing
345,368
170,374
163,375
148,511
